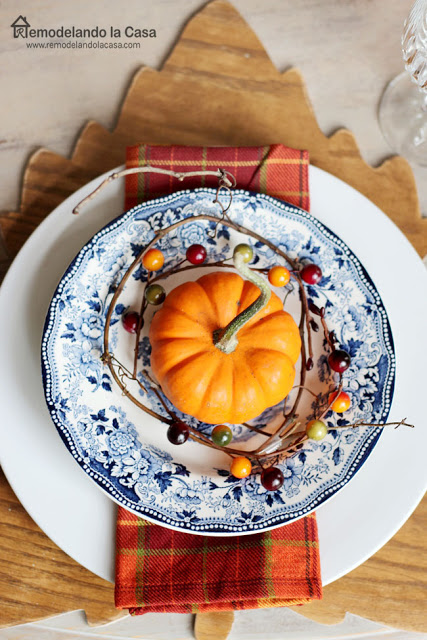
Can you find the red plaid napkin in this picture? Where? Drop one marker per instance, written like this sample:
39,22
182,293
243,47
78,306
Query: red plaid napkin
162,570
277,170
158,569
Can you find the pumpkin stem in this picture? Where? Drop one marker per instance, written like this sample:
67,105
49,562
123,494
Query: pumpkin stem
226,339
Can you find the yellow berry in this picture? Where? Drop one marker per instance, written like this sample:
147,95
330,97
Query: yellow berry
279,276
240,467
153,260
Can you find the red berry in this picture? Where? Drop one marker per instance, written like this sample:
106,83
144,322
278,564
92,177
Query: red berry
272,478
130,321
196,254
339,360
311,274
178,433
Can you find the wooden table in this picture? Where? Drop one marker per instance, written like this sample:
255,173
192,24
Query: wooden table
217,57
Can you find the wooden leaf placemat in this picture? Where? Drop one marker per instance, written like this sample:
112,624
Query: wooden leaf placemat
218,87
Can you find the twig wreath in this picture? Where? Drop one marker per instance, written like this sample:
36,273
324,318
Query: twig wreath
290,435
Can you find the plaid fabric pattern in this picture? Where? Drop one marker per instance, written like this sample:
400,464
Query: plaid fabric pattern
158,569
170,571
276,170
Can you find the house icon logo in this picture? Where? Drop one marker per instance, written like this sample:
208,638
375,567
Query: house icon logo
20,27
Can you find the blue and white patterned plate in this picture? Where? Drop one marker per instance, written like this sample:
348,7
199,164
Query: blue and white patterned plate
126,452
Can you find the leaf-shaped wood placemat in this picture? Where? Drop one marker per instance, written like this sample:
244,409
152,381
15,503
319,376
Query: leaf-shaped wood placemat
218,87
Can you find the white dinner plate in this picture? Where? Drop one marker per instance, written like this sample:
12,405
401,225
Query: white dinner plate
80,518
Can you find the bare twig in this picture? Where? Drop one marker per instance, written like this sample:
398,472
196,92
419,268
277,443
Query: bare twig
219,173
360,423
288,436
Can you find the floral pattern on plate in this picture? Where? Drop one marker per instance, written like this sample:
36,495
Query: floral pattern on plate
126,452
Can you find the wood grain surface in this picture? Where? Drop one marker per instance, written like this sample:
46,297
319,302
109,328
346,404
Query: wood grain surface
37,579
217,87
213,626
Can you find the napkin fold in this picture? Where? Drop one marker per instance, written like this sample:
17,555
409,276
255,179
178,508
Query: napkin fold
158,569
170,571
276,170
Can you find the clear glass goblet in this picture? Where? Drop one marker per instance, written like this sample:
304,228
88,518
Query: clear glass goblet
403,107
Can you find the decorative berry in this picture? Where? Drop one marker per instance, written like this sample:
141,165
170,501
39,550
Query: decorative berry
178,433
222,435
153,260
196,254
245,250
240,467
339,360
155,294
130,321
279,276
272,478
316,430
340,401
311,273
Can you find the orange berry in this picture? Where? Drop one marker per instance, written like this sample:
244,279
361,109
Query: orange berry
240,467
279,276
340,401
153,260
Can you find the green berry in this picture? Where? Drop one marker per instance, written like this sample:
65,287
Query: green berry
245,251
222,435
316,430
155,294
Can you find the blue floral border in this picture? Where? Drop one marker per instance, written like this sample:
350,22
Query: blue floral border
212,526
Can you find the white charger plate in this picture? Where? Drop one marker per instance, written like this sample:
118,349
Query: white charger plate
81,519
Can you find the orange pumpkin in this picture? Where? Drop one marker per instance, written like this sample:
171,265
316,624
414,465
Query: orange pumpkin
199,378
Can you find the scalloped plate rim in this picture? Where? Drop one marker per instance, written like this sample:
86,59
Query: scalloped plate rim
224,529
